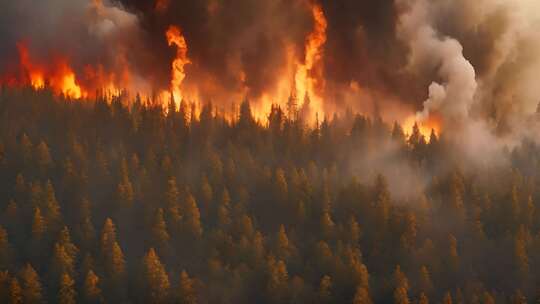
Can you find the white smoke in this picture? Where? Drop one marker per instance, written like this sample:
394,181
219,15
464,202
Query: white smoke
454,95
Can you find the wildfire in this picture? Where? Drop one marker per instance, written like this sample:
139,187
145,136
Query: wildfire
60,76
432,123
309,80
175,37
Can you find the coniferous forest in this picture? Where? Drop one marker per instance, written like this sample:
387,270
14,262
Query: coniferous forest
112,202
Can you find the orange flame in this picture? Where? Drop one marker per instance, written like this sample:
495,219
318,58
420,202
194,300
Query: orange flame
309,80
432,123
175,37
60,77
34,72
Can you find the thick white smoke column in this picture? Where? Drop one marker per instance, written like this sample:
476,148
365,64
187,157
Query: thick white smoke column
454,93
454,96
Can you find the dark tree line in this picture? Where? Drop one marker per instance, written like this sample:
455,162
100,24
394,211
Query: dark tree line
104,202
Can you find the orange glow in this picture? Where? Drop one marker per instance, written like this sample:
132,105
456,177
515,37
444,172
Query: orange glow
161,5
175,37
33,71
60,77
424,126
64,81
309,80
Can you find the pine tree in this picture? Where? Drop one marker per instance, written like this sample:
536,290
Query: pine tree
5,280
39,225
353,231
65,240
519,298
192,218
186,291
400,296
67,293
325,288
280,187
397,133
206,194
15,292
172,197
108,236
43,157
382,200
425,283
160,235
488,298
6,251
31,286
62,262
408,238
423,299
283,248
447,298
115,262
36,195
125,192
327,225
91,293
278,279
26,147
400,280
362,296
53,208
224,210
156,279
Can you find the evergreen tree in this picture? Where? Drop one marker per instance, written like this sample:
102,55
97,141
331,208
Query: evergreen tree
423,299
67,293
156,279
43,157
6,251
15,292
325,290
62,262
65,240
53,208
362,296
192,219
186,290
108,236
160,235
39,225
400,296
91,293
31,285
447,298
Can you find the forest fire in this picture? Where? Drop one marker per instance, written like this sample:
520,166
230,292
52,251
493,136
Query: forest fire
175,37
269,151
309,80
300,90
425,126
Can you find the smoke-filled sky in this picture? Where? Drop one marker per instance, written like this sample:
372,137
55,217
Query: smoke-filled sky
464,60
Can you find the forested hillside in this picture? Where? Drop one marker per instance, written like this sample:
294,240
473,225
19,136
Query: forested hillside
105,202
